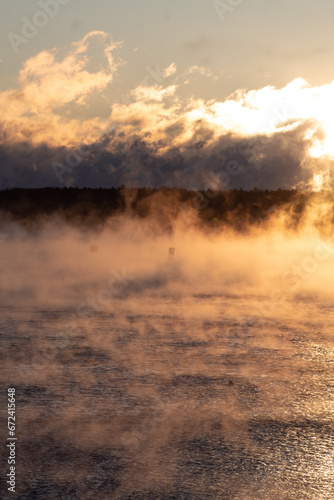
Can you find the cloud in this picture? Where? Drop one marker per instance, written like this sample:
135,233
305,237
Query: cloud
170,70
120,158
48,83
246,114
201,70
286,134
157,93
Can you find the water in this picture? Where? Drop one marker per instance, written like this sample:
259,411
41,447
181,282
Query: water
171,396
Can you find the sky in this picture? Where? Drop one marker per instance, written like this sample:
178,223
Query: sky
189,93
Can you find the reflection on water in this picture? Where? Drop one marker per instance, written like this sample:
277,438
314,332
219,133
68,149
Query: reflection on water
168,397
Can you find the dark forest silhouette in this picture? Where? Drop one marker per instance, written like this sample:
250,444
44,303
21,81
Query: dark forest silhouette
93,207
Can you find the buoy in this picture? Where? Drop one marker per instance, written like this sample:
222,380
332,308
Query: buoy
171,254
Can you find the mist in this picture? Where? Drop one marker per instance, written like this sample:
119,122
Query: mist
148,362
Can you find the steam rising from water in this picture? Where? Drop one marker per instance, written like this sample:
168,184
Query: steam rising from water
60,265
205,377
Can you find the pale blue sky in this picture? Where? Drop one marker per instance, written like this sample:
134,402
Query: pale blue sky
260,42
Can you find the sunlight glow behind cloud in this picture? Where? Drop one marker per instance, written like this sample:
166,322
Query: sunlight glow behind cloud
54,105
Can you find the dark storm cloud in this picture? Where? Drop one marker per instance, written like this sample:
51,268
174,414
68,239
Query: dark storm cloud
265,162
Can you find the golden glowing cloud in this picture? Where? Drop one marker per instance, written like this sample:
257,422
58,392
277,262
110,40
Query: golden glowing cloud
46,85
264,111
42,108
157,93
170,70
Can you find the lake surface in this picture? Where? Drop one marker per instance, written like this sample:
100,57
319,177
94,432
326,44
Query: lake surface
163,395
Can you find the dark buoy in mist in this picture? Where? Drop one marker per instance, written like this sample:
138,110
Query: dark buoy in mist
171,254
